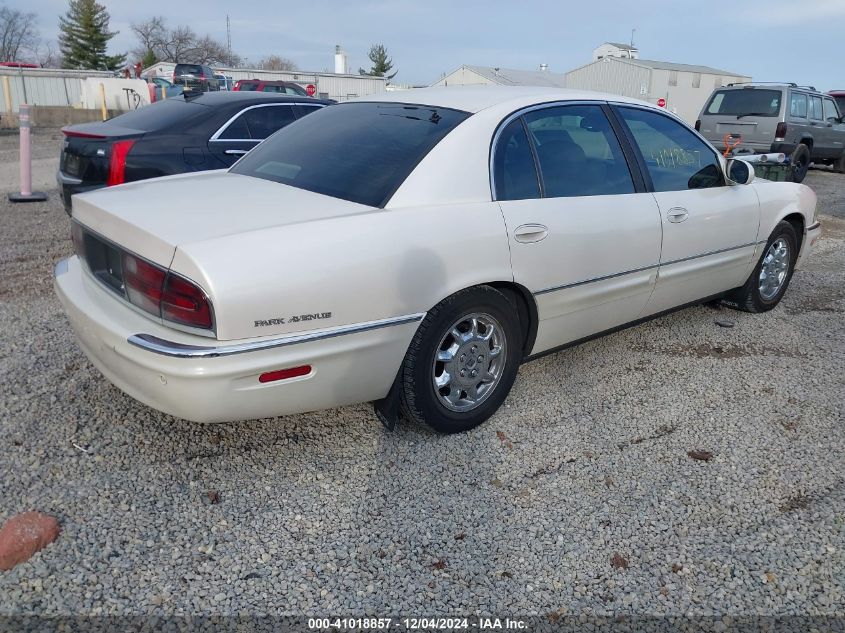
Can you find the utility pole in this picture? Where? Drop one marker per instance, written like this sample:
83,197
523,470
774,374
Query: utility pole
228,36
632,35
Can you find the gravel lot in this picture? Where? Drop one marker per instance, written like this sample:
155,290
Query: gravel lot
587,465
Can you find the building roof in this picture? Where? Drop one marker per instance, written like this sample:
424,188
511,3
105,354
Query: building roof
511,77
477,98
624,47
689,68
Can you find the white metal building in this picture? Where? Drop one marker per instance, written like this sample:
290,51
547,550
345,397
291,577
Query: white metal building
615,49
329,85
489,76
684,87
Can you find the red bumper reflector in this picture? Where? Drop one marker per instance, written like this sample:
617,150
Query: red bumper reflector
284,374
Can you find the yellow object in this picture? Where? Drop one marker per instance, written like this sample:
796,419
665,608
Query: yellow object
103,101
163,93
7,91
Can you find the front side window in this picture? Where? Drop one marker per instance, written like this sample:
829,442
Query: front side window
675,157
798,105
745,102
514,172
830,111
361,152
578,153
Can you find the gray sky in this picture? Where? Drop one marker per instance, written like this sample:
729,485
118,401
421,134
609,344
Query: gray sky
774,40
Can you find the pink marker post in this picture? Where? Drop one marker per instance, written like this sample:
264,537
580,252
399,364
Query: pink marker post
26,194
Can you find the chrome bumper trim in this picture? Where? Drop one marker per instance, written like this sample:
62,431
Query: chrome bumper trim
178,350
814,226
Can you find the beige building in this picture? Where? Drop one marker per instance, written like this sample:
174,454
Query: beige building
489,76
684,87
615,49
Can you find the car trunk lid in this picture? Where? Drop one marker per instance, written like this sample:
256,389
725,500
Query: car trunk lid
152,217
86,150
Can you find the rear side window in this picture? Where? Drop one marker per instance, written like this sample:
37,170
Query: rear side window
361,152
248,85
816,108
578,152
514,172
258,123
798,105
745,102
676,158
160,115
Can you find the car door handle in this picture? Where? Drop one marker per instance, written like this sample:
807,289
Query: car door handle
529,233
677,214
235,152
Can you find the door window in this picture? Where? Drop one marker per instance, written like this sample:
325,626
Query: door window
816,108
258,123
514,172
676,158
798,105
578,153
830,111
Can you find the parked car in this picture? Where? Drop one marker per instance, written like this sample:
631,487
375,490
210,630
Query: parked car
839,97
164,88
416,252
226,82
195,77
182,134
796,120
282,87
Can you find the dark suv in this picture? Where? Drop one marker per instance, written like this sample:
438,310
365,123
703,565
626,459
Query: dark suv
195,77
281,87
796,120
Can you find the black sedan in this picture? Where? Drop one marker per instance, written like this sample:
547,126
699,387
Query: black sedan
194,133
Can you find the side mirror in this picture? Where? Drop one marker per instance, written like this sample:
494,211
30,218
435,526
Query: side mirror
740,172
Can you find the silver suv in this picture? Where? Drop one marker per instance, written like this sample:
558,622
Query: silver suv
796,120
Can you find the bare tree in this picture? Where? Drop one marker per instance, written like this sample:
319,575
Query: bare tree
48,55
18,35
275,62
180,44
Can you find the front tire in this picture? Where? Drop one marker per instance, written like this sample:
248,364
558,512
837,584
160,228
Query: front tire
770,278
462,361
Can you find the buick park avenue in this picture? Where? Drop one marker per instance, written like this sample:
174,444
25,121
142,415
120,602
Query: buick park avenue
413,253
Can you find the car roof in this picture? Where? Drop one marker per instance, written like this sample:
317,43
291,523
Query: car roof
225,97
477,98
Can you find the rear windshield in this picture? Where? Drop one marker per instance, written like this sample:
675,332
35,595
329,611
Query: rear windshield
159,115
187,69
745,102
359,152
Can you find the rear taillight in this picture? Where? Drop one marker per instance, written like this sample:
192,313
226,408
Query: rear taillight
165,295
698,125
780,130
117,162
143,282
183,302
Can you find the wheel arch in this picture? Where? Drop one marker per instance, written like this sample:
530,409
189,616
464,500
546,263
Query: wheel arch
797,221
808,141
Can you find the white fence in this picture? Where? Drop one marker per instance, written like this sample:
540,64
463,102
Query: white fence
45,86
329,85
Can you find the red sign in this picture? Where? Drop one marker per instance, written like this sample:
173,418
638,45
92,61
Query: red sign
310,90
661,102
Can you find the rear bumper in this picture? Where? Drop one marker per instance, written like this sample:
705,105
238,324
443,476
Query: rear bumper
349,367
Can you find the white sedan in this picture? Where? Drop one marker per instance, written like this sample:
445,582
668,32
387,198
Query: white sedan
413,249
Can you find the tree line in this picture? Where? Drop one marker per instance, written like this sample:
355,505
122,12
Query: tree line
84,37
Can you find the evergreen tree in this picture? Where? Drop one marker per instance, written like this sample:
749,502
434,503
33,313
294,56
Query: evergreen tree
84,36
382,64
148,59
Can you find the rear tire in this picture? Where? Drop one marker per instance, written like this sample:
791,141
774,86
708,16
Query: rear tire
799,163
770,278
462,361
839,164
